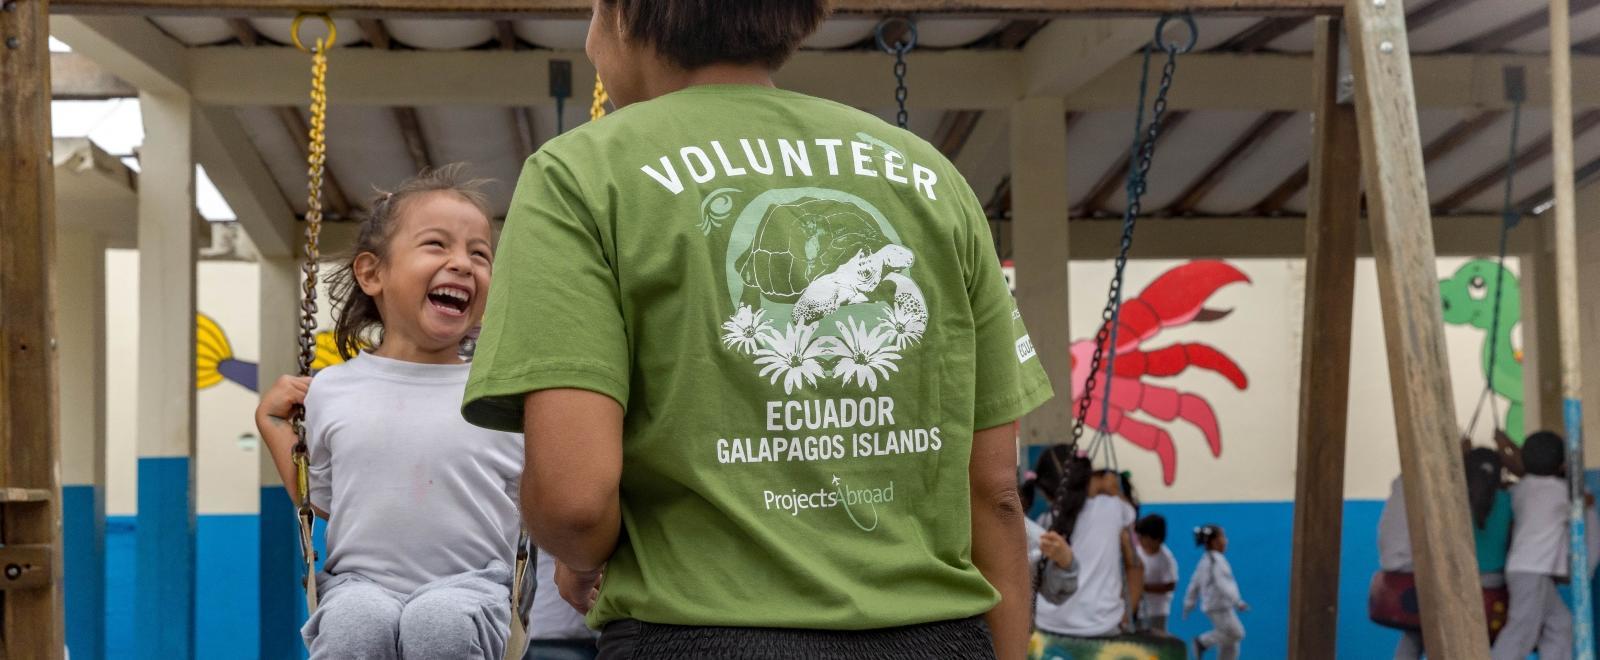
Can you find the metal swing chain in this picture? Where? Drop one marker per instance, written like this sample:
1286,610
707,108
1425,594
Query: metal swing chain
898,49
1509,219
316,157
598,108
1138,173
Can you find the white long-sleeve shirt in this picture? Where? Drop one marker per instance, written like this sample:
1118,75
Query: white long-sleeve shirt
1212,585
1539,533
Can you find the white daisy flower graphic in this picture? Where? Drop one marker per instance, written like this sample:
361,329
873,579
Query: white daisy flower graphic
744,329
864,355
904,324
793,355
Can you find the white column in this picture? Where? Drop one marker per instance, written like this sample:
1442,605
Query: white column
81,332
164,600
1541,343
1588,249
1039,233
281,601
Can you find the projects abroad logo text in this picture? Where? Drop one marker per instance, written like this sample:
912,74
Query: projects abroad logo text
859,504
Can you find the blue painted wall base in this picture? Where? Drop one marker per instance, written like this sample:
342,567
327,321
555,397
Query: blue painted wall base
282,602
83,538
164,600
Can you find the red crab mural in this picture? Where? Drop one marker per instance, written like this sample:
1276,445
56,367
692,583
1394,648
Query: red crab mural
1174,299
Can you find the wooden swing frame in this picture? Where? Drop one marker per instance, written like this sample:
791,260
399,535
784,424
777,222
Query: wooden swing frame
1376,135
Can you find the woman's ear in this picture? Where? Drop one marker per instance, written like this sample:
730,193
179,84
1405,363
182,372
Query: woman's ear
367,274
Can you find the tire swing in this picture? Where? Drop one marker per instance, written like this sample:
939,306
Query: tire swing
1101,449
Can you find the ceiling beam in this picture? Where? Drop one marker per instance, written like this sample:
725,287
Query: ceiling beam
1258,36
1540,201
939,80
1117,174
505,34
74,77
231,160
955,128
1449,141
411,132
244,32
1014,34
295,126
1241,148
1539,150
128,47
1531,22
525,8
1431,12
375,33
1066,54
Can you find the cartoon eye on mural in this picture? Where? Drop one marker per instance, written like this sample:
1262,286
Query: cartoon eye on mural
1469,299
1174,299
214,361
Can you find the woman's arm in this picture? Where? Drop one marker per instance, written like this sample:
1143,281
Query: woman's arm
999,545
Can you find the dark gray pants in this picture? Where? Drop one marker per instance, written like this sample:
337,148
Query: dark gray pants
964,639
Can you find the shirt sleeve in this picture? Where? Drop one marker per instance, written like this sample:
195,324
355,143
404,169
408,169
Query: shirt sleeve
553,318
1010,381
319,456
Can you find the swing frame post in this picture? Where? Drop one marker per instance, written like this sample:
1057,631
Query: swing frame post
1334,217
1419,374
1567,313
30,491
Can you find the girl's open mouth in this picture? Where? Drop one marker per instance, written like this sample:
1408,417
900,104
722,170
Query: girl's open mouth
450,300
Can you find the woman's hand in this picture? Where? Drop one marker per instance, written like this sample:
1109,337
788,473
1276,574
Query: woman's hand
279,402
579,588
1055,547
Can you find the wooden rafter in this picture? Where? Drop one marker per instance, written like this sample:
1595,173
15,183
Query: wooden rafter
1526,156
1431,12
1588,46
295,126
1118,172
375,33
525,8
1231,157
1257,36
411,132
1447,142
954,130
75,77
1015,34
1546,195
244,32
1497,38
505,34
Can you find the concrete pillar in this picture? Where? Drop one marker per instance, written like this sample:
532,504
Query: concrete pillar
165,588
81,331
1541,341
282,604
1039,233
1589,316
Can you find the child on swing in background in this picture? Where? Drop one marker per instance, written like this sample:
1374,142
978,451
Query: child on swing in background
1538,559
1160,573
421,506
1213,588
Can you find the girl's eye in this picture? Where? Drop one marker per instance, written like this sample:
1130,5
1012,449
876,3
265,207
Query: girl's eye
434,243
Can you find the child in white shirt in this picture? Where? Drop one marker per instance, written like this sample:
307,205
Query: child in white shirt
1538,557
1160,573
1213,588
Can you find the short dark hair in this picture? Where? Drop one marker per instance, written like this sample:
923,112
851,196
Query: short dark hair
1153,526
694,33
1543,453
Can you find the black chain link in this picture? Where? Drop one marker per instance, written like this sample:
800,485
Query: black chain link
902,45
1137,176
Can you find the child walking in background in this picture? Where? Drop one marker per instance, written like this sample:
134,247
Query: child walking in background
1160,573
1213,588
1538,557
421,506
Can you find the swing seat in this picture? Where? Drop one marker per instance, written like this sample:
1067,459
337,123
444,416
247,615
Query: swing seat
1392,603
1137,646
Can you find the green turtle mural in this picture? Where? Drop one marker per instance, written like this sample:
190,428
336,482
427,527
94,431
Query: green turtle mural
1469,299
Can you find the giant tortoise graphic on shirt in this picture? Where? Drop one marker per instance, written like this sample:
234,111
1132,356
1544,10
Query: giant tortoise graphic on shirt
821,287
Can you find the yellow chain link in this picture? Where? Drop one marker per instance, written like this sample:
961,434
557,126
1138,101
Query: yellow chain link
598,110
316,157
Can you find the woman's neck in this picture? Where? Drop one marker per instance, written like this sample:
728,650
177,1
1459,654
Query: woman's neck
670,80
399,348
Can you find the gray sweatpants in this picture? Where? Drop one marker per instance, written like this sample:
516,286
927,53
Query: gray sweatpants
461,616
1538,619
1225,634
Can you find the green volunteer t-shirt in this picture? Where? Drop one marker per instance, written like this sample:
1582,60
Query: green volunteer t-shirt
800,308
